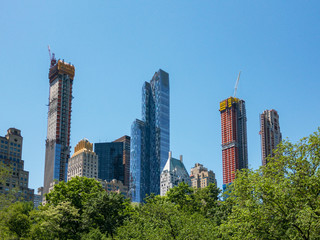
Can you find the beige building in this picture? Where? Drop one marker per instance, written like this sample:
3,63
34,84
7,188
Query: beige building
84,161
115,186
10,158
201,177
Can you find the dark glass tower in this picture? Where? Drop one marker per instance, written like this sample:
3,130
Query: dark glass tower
150,138
110,161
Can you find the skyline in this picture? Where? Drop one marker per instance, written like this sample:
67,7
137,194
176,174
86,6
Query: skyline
202,46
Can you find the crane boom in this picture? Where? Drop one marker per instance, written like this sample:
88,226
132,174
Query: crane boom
52,57
236,86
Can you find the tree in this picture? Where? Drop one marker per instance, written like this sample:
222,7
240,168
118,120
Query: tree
11,195
280,200
61,221
105,212
77,191
15,222
164,220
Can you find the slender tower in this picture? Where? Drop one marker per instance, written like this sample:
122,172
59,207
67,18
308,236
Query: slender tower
234,138
61,76
270,133
150,138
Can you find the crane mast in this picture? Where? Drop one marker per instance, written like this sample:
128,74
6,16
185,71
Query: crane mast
236,86
52,57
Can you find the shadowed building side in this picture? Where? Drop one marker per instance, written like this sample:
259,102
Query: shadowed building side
269,133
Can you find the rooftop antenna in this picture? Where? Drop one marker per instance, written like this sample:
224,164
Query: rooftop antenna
236,86
52,57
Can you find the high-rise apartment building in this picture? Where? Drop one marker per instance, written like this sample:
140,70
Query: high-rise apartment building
84,161
126,157
234,138
150,138
270,133
111,163
201,177
10,157
173,173
61,76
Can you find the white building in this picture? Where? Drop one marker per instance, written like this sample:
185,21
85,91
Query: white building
174,172
84,162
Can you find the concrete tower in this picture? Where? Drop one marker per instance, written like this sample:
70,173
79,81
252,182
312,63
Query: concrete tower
234,138
270,133
61,76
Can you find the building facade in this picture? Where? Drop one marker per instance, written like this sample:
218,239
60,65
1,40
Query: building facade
201,177
111,163
84,161
38,198
126,157
115,186
61,77
234,138
150,138
10,158
269,133
173,173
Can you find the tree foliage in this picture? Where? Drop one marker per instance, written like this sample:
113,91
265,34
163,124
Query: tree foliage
280,200
277,201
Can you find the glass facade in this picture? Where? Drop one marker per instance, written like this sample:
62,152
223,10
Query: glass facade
161,95
150,138
110,161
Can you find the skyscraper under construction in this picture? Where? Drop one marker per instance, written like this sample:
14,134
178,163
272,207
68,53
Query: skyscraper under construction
270,133
61,76
234,137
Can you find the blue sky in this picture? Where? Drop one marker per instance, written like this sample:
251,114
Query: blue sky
117,45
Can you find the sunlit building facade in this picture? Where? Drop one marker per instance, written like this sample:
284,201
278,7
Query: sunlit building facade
201,177
173,173
84,161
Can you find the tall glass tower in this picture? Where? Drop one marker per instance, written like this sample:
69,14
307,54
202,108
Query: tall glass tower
61,76
150,138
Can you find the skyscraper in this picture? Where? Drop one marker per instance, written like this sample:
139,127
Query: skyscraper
10,157
270,133
61,76
126,157
150,138
234,138
110,155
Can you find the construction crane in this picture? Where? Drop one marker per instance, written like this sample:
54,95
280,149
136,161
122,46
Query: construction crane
236,86
52,57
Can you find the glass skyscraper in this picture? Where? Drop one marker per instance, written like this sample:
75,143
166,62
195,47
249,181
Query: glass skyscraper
110,161
150,138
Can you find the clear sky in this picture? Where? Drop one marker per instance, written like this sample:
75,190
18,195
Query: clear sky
117,45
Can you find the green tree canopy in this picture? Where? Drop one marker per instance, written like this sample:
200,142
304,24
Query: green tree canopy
280,200
77,191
